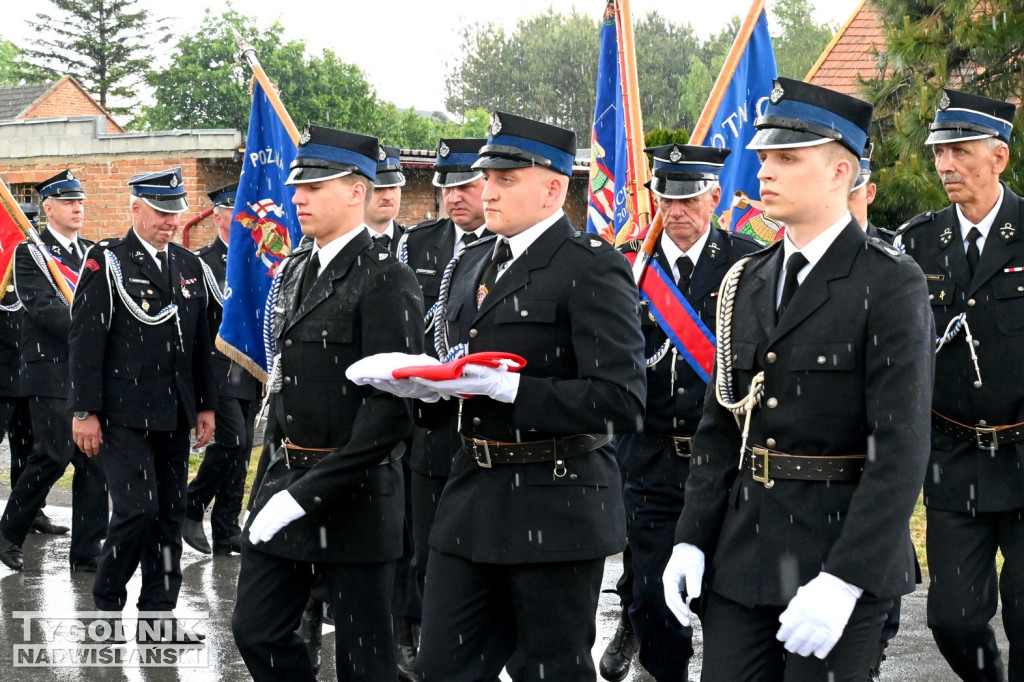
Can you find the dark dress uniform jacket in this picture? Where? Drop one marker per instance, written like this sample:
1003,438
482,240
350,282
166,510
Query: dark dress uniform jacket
962,477
674,408
847,371
430,246
232,380
568,305
119,365
44,357
363,302
10,347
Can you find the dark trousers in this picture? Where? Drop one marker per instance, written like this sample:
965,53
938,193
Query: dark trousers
964,590
426,494
476,615
651,515
16,422
52,451
740,645
272,592
407,600
146,474
221,475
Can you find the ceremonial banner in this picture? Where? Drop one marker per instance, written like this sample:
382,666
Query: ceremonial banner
10,237
608,212
738,98
264,229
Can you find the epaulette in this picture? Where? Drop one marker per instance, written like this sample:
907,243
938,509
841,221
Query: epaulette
197,252
590,241
886,231
181,246
108,243
768,250
885,247
920,219
631,246
742,237
425,224
303,248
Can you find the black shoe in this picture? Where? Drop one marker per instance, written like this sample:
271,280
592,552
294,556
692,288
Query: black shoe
227,546
87,566
405,649
194,536
43,524
10,555
311,632
618,655
111,635
166,631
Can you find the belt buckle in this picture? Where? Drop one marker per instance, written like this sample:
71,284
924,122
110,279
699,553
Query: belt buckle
484,463
987,438
683,440
765,478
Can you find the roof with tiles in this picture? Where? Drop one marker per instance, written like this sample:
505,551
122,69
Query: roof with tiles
16,100
853,53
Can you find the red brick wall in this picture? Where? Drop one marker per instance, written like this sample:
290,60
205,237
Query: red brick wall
67,99
106,188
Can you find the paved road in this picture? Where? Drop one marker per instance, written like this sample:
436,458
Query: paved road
209,586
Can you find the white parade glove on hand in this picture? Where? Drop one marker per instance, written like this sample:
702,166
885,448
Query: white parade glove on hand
816,617
376,371
280,510
495,382
685,570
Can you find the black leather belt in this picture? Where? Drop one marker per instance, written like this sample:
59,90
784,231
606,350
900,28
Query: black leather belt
987,437
487,453
682,445
296,457
766,465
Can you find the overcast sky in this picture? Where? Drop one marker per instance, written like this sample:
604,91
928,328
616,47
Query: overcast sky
404,46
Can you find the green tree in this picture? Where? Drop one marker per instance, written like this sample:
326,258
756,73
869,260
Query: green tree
801,40
14,70
105,44
931,44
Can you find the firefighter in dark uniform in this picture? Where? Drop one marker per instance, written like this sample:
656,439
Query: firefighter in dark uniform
387,199
15,421
221,475
694,256
533,505
427,248
140,382
820,394
329,504
44,376
972,254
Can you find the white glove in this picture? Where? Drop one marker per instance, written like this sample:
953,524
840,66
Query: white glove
815,618
406,388
685,569
376,371
495,382
280,510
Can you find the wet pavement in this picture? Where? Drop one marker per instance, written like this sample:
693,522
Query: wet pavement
47,585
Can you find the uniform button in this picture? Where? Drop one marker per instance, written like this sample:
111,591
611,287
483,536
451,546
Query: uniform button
289,418
931,297
822,359
773,402
971,303
976,343
770,442
771,358
473,333
149,291
317,500
524,313
287,380
287,343
573,477
323,333
1020,288
982,422
680,391
476,421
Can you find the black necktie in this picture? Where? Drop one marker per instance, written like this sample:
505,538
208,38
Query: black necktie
74,259
310,275
973,252
468,238
794,265
383,240
502,254
685,267
161,258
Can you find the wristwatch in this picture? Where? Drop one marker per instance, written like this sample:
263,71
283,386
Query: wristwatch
82,416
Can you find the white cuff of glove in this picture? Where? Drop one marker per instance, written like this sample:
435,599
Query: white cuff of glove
493,382
816,617
382,365
685,570
280,510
